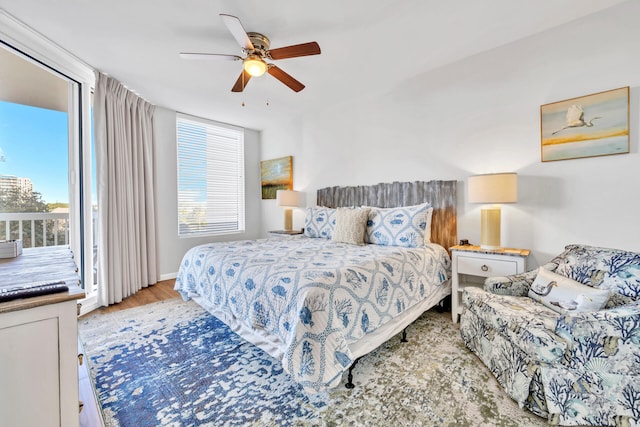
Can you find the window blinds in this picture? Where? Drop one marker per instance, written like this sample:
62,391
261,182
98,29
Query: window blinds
210,177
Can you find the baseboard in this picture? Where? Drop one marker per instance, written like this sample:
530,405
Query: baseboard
168,276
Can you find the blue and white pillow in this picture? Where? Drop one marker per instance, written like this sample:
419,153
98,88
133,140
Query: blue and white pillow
408,226
319,222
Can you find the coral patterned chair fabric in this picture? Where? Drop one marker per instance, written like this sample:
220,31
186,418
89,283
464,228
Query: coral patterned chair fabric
572,368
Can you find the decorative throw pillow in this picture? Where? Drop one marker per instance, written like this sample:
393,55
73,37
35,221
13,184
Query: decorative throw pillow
565,295
408,226
319,222
351,225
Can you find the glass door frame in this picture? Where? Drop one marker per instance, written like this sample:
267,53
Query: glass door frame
35,47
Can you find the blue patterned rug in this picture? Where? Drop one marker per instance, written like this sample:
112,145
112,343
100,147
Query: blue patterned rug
173,364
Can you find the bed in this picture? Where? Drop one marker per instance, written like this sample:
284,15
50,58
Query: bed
317,304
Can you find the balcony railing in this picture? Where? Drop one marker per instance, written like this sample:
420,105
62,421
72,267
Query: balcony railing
35,229
46,229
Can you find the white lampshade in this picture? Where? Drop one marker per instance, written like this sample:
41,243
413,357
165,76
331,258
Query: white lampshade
288,198
492,188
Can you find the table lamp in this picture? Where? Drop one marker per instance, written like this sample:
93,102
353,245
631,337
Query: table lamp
288,199
494,188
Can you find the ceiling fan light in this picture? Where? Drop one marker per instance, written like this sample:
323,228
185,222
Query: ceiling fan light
255,66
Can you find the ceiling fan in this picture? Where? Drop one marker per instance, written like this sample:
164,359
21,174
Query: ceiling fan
256,50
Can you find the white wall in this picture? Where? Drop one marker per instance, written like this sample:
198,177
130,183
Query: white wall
482,115
171,247
287,136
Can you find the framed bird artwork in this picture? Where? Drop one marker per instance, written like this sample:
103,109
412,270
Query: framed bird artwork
587,126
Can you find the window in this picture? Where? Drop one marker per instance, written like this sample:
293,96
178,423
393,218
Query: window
210,177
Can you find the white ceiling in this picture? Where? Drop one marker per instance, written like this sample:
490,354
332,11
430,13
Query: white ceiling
368,46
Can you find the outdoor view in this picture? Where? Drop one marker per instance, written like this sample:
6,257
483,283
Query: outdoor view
34,189
40,134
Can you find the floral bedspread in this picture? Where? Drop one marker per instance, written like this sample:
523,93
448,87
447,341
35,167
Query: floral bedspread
315,295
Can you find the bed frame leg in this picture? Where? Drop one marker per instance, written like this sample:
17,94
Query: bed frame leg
444,305
350,383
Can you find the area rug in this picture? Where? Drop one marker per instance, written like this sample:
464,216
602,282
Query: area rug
173,364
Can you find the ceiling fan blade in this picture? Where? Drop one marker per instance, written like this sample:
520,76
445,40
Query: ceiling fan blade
304,49
242,81
237,31
285,78
210,56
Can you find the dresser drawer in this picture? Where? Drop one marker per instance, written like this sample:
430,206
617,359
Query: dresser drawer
486,267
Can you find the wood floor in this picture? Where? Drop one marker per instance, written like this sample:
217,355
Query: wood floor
90,416
159,292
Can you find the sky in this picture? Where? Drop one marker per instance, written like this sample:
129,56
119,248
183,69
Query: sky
34,144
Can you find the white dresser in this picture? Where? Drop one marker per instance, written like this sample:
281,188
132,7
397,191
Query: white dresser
471,265
39,343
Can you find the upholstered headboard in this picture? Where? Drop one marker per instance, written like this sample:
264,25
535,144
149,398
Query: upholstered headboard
441,195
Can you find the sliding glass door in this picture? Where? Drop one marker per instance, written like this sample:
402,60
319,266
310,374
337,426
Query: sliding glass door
46,159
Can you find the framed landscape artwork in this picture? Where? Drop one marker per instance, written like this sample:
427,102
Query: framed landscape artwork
587,126
276,174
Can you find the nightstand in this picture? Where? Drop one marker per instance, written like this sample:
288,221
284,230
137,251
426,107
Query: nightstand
471,265
277,233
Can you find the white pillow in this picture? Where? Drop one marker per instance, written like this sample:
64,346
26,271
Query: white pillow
351,225
565,295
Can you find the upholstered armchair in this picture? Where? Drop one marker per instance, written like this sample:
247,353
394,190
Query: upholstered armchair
561,359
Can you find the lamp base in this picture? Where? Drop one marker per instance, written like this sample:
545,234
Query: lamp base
488,247
490,228
288,219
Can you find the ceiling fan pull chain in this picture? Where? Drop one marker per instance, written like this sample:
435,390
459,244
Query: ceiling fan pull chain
242,77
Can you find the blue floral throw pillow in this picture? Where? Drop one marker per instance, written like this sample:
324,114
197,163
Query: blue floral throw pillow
408,226
319,222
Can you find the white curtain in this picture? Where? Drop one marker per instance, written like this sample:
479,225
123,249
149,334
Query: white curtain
123,124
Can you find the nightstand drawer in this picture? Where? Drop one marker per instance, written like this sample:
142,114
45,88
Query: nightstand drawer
486,267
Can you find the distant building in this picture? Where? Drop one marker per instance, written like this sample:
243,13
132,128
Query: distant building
10,182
